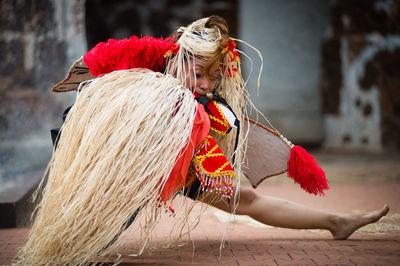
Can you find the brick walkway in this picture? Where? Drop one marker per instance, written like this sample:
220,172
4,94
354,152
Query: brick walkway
251,244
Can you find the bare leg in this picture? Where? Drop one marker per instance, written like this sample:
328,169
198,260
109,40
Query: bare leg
283,213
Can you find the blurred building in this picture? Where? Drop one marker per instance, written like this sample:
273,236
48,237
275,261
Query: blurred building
330,77
361,76
331,70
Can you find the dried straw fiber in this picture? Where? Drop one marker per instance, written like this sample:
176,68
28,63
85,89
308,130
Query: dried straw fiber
117,148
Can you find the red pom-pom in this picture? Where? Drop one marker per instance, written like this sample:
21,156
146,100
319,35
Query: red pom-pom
303,168
135,52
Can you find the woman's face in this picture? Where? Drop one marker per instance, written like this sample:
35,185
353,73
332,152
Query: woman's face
200,80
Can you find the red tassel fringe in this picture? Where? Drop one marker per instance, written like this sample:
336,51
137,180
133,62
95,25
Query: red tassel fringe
303,168
135,52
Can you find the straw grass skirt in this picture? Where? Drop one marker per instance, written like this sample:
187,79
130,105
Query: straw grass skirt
118,145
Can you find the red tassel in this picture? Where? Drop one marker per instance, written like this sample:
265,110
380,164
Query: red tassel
303,168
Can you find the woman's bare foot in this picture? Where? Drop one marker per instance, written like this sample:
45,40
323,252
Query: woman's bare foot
345,225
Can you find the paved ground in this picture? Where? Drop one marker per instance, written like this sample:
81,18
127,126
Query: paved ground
357,183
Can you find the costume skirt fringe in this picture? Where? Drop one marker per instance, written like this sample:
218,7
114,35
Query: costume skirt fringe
116,151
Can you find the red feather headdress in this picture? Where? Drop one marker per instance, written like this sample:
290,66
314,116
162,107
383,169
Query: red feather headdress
147,52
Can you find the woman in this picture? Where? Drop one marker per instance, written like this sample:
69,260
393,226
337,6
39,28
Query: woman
135,138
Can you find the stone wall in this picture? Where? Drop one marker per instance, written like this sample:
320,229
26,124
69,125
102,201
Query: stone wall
361,67
38,41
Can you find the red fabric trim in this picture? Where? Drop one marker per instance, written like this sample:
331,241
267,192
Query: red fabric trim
179,174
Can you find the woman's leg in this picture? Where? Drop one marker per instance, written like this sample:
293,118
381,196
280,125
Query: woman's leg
283,213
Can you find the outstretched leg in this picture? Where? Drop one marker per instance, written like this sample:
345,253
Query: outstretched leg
283,213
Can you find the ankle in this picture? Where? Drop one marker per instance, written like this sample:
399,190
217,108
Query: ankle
335,224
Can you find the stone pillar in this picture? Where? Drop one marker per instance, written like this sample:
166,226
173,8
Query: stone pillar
361,69
289,35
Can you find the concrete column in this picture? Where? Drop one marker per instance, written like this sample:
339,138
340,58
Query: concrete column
289,36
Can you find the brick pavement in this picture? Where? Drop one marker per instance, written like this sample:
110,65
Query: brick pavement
255,245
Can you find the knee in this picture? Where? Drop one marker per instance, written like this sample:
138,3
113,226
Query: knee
247,198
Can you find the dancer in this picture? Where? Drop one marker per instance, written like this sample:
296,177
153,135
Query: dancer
135,138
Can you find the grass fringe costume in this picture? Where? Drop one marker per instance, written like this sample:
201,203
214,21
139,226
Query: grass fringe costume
114,156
